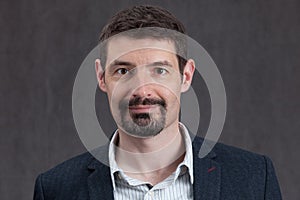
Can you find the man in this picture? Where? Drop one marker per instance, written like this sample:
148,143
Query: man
151,155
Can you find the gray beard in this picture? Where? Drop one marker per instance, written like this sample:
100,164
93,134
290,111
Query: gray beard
143,125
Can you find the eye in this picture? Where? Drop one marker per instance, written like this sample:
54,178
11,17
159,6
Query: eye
160,71
122,71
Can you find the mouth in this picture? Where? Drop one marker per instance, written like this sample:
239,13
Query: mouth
142,108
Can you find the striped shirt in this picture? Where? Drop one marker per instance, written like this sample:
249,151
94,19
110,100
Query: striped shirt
179,185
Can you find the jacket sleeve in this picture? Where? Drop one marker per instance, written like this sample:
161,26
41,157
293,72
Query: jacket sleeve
38,189
272,189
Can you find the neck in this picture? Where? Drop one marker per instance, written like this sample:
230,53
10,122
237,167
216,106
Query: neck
144,155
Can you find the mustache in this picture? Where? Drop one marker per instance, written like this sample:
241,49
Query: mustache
143,101
146,101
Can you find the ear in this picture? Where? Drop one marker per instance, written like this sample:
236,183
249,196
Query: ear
187,75
100,75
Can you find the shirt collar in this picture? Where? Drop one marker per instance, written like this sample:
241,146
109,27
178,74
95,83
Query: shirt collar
187,161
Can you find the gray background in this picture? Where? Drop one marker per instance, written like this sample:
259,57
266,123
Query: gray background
255,44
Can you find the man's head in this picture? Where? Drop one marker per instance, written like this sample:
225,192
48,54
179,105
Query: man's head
144,75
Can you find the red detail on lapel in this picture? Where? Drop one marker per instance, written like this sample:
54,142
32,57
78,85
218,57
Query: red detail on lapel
211,169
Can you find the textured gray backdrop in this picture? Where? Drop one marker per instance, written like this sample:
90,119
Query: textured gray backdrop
255,44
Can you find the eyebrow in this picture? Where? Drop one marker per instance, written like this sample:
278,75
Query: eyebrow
161,63
123,63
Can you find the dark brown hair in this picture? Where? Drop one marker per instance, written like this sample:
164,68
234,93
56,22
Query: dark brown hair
143,16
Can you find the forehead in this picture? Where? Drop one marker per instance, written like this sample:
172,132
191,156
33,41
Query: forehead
146,48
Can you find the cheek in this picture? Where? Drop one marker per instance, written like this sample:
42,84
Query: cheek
116,91
113,96
172,99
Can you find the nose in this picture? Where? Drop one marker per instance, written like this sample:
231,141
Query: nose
142,85
142,91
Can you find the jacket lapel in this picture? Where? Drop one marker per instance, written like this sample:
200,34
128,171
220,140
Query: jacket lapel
99,181
207,176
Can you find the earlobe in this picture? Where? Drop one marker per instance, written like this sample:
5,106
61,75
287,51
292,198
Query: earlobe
100,75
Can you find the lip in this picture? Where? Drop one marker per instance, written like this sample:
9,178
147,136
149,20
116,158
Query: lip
142,108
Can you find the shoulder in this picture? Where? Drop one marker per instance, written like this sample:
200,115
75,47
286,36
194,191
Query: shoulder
70,166
242,170
77,165
69,172
243,164
238,163
66,179
226,154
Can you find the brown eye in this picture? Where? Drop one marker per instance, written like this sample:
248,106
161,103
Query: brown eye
122,71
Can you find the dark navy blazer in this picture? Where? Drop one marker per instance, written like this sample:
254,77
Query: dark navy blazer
226,173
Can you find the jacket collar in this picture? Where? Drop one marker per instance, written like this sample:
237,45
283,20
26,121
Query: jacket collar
207,175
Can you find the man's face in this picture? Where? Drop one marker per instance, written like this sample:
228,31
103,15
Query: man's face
143,84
